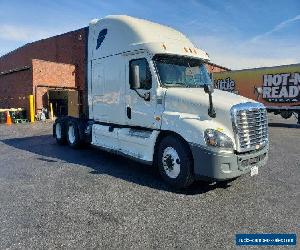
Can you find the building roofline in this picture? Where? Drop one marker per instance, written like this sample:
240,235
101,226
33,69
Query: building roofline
217,65
269,67
30,43
47,61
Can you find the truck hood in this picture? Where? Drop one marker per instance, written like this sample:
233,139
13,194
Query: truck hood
193,103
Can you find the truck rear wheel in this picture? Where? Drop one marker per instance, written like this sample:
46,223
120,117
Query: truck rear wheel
60,132
175,162
73,136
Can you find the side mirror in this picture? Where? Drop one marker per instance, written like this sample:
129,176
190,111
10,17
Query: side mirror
259,90
136,77
208,88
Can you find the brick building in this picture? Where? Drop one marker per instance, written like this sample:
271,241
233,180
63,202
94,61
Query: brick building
57,62
50,64
215,68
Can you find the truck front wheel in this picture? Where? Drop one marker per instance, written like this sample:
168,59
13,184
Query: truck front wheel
73,136
175,162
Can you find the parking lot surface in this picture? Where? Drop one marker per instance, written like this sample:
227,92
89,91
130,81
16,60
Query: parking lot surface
52,196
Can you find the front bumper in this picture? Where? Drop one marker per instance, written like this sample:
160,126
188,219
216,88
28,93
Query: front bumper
209,164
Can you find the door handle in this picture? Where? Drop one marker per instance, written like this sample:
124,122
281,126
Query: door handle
128,111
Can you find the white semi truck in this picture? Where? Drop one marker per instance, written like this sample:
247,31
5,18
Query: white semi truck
151,98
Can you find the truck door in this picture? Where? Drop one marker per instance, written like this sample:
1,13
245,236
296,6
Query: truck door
141,104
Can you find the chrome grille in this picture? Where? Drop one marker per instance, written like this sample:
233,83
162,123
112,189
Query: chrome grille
250,125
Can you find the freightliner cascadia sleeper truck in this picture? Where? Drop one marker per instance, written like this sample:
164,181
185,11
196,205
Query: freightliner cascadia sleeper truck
151,98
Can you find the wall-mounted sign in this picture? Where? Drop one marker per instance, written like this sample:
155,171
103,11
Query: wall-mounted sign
284,87
280,85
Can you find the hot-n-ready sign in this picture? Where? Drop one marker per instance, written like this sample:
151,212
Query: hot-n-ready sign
273,86
283,87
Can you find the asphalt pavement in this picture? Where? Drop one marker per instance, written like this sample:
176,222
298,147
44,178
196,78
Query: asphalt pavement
52,196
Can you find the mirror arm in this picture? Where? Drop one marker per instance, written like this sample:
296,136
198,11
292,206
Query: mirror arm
208,89
211,110
146,96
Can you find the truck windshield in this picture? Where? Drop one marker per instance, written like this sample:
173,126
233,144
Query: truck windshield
179,71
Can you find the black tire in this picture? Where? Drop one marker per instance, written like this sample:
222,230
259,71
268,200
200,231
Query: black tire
286,114
59,132
73,136
167,163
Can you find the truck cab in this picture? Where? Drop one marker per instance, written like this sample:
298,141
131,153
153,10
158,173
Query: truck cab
151,98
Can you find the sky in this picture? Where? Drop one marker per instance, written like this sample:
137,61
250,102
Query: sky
236,34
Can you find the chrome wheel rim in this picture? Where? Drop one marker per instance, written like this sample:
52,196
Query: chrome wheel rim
58,130
71,134
171,162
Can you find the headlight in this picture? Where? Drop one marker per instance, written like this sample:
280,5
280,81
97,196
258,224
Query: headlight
216,138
